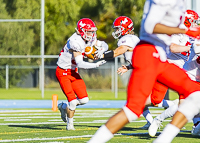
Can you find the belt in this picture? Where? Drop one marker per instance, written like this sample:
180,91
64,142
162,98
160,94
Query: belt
69,70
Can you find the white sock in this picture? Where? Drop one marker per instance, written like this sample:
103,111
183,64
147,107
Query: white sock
70,120
148,116
169,112
102,135
168,134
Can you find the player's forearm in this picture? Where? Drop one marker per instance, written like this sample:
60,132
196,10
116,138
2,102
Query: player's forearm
82,64
114,53
163,29
174,48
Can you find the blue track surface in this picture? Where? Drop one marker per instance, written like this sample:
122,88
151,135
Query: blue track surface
48,104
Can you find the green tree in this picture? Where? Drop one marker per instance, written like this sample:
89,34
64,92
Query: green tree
17,38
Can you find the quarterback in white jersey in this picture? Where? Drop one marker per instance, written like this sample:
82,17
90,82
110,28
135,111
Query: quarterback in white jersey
70,59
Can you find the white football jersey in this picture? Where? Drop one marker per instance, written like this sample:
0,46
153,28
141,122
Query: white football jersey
66,58
169,13
179,59
192,66
131,41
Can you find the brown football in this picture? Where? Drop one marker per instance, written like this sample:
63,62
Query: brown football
89,52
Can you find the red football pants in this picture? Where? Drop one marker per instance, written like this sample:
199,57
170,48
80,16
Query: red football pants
71,84
147,70
158,93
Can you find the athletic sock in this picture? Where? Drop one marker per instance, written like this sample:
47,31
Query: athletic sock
70,120
148,116
169,112
168,134
102,135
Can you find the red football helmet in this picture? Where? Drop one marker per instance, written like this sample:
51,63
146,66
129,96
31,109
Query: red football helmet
87,29
191,17
122,26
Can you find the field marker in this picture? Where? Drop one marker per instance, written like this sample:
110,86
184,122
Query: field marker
54,102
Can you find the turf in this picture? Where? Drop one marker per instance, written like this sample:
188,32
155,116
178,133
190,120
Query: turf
45,126
24,93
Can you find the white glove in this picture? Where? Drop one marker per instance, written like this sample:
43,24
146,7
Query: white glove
101,48
99,53
99,63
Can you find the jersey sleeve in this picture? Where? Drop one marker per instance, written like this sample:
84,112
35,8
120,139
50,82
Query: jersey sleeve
157,11
165,2
128,40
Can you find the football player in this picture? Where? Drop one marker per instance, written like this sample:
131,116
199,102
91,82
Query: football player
161,19
70,59
123,31
180,51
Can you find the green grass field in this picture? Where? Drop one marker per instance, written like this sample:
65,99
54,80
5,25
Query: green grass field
46,126
24,93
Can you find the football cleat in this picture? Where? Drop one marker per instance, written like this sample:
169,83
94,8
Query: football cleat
196,130
70,126
155,125
146,126
62,111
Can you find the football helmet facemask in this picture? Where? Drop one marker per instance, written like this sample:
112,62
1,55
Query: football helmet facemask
122,25
87,29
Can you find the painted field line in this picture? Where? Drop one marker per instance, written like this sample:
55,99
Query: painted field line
95,121
16,111
56,138
45,139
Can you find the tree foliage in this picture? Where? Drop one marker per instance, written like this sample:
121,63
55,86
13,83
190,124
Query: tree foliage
61,16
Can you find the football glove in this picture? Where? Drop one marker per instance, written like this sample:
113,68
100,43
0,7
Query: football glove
99,53
101,48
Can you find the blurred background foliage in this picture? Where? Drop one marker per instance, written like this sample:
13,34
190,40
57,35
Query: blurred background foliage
61,16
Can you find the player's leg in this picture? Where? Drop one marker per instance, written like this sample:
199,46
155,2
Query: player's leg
158,93
147,115
79,88
66,81
184,86
64,78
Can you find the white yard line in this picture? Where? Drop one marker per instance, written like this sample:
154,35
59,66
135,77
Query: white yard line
56,138
45,139
16,111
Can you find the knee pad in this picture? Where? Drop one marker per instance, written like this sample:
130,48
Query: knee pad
191,106
83,100
72,104
129,114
